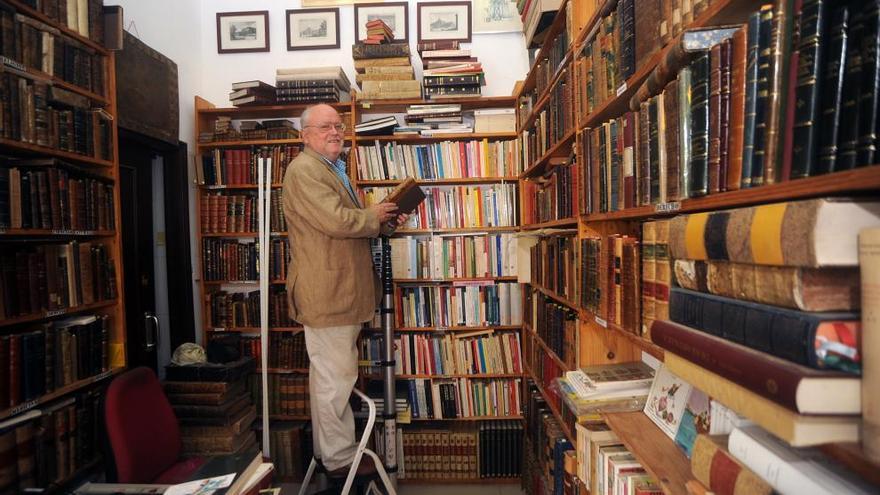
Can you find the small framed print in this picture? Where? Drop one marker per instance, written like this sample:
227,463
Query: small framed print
496,16
242,32
444,21
394,14
312,29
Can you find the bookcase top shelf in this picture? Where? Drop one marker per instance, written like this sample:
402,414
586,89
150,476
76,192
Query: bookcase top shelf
28,149
550,34
657,452
863,179
399,106
438,182
419,139
22,8
544,97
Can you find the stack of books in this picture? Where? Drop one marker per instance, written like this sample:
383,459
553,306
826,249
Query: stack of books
312,85
215,416
434,119
383,66
247,93
380,126
450,71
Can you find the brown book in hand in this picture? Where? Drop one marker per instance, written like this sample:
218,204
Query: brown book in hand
407,196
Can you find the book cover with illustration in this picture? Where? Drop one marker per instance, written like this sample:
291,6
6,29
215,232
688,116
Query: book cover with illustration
667,401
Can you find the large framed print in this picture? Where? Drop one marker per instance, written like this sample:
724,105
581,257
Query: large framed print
395,15
312,29
439,21
242,32
496,16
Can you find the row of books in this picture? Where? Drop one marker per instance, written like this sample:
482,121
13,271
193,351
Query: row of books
553,122
242,309
287,394
239,166
49,445
82,16
223,212
450,207
234,260
611,277
286,350
290,443
50,194
545,369
553,262
51,277
51,356
453,256
450,71
444,160
470,304
554,195
35,112
547,450
555,324
448,354
451,398
38,46
224,129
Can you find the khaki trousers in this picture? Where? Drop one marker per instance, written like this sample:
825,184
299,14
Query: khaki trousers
332,375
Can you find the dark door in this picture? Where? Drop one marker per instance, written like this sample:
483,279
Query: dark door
136,193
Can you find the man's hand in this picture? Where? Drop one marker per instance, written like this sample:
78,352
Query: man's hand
400,220
385,211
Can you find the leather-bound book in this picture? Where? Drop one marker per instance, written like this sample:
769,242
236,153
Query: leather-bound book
762,96
869,95
739,48
684,131
654,168
724,110
852,82
643,175
714,162
407,196
780,56
698,183
811,31
833,70
626,18
648,32
720,472
630,133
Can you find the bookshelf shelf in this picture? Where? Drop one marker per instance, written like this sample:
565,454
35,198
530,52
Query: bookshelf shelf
455,481
562,222
251,142
438,182
438,137
861,179
284,371
287,417
59,232
55,394
563,426
458,230
264,112
29,149
556,297
547,350
457,328
656,451
45,315
399,106
240,234
452,280
545,96
24,9
221,187
95,97
468,418
466,375
256,329
539,166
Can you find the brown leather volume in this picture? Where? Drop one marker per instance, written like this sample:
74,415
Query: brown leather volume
715,119
648,30
673,129
737,110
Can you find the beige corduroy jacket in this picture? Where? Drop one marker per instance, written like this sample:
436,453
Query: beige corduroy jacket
331,280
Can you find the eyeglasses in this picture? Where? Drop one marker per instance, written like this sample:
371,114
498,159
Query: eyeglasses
326,127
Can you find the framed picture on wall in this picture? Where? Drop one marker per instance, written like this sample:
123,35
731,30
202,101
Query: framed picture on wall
312,29
394,14
242,32
496,16
444,21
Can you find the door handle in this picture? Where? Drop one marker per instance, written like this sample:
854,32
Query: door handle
151,340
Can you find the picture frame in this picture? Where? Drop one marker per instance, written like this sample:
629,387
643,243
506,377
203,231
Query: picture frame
440,21
312,29
243,32
496,16
395,14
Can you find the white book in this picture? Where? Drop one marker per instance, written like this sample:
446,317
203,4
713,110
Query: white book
791,470
515,304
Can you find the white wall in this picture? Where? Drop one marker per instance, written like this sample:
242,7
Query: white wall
185,31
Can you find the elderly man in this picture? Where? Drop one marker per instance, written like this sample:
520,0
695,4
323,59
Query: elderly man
331,286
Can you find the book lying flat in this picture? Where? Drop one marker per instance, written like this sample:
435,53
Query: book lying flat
407,196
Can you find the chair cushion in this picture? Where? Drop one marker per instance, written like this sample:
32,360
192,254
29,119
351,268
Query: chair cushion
141,426
180,471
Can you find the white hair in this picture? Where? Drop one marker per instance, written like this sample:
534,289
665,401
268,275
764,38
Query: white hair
306,116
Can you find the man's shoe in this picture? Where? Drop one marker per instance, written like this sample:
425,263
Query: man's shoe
366,468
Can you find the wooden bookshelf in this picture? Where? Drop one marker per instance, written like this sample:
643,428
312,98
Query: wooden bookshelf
552,224
250,142
399,106
58,393
553,409
47,315
538,167
556,297
241,234
438,182
548,350
659,455
258,112
439,137
23,8
56,233
34,150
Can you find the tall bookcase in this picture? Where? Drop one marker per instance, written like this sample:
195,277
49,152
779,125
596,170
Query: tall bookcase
563,62
60,244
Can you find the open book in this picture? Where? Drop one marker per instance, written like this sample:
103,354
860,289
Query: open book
407,196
